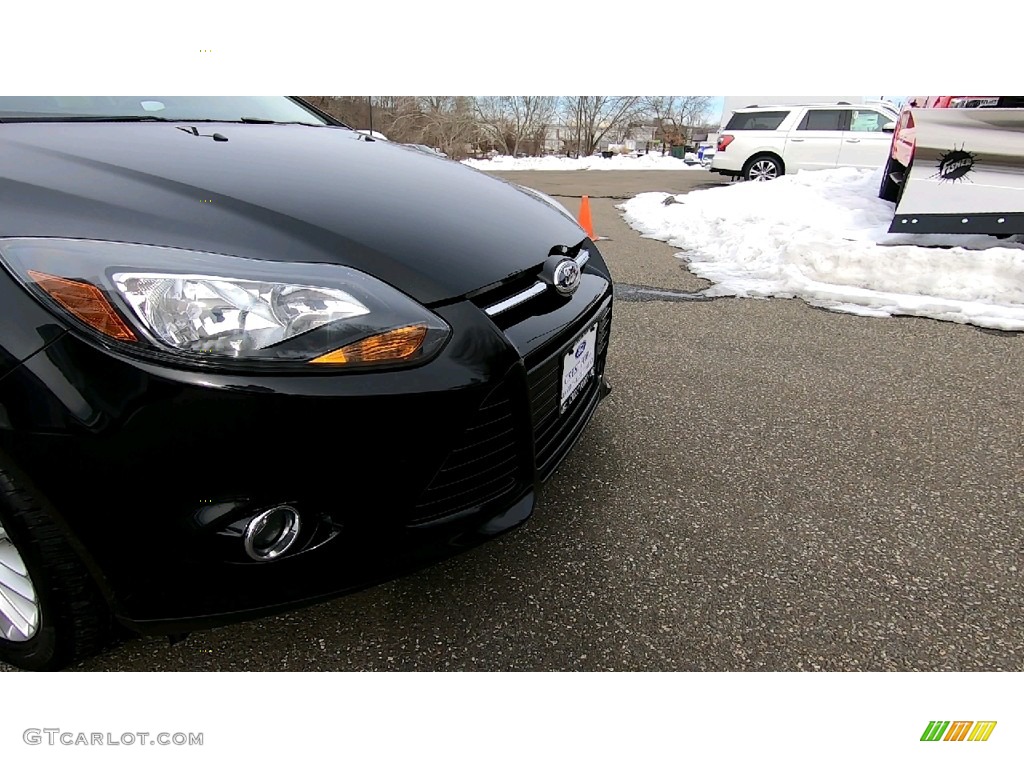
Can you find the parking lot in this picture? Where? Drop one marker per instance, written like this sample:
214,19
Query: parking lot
769,487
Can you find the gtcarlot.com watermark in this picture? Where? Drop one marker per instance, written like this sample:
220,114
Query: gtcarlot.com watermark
54,737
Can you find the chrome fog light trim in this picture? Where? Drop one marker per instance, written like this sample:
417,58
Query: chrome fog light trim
272,533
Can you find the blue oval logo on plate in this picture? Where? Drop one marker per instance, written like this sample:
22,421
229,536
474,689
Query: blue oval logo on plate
580,349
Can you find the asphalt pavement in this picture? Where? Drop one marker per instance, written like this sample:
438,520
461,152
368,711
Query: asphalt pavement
769,487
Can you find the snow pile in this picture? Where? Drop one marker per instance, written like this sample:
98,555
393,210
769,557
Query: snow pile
822,236
650,162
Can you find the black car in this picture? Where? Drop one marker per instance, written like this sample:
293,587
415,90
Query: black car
252,359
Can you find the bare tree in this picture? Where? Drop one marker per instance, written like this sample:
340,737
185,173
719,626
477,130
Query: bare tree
591,118
692,113
399,118
351,110
678,117
449,122
662,110
512,122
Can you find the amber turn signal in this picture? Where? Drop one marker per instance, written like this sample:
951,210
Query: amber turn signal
391,346
86,302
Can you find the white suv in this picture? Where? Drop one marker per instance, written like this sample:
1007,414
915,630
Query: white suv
761,143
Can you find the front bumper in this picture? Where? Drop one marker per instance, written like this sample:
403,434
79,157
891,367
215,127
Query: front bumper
147,467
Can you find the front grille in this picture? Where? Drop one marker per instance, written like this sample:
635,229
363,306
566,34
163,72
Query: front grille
516,291
484,467
553,431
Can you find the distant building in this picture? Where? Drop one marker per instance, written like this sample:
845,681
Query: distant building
560,137
634,138
555,138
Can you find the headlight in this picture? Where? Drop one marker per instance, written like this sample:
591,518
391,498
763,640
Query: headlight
225,310
219,315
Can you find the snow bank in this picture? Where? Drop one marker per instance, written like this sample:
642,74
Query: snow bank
614,163
822,236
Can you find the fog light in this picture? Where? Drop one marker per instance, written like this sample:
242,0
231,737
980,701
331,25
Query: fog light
271,534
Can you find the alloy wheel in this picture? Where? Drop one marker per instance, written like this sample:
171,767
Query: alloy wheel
19,604
763,170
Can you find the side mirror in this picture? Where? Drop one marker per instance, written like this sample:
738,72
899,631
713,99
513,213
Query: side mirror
889,127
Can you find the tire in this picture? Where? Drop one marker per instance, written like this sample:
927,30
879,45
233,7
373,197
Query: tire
763,168
51,613
889,189
903,186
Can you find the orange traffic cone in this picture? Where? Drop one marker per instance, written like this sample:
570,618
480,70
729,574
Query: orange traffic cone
584,218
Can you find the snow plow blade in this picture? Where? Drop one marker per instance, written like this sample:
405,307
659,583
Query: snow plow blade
967,176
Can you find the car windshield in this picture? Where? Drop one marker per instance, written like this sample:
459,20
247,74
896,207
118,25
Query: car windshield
270,109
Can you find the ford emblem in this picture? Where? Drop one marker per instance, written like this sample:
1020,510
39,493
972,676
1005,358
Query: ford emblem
581,349
567,277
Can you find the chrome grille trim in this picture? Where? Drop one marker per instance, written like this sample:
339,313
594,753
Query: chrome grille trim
514,301
534,290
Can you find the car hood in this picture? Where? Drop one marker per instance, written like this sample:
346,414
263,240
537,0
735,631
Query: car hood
433,228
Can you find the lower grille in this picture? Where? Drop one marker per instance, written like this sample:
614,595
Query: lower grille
553,431
485,466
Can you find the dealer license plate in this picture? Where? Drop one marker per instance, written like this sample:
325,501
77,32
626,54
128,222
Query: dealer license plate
578,366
